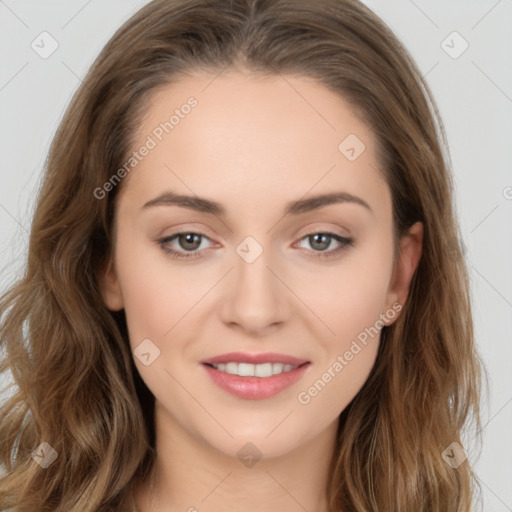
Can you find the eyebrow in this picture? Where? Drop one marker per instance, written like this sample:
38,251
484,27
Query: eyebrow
203,205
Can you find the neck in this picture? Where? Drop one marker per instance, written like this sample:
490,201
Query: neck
189,475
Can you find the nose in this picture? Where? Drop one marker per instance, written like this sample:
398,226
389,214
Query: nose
256,298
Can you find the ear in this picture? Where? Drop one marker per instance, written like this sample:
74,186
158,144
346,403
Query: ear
410,252
110,288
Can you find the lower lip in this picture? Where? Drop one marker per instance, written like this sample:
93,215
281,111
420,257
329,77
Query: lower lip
255,388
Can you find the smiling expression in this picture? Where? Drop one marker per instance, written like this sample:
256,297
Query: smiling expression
249,229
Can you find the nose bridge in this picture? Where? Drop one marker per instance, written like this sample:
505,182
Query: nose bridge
253,265
256,298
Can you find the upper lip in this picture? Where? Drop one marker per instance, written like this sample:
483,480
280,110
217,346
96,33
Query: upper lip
244,357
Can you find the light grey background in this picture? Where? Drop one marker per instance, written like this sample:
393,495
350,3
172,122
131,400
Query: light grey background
474,95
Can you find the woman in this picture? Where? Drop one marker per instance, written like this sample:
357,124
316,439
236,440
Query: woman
313,347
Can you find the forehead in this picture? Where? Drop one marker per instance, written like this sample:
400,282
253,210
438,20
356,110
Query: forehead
250,136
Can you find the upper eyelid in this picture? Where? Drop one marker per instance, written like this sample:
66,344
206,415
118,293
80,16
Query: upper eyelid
200,231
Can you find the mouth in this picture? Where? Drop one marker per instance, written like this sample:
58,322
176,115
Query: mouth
255,377
254,370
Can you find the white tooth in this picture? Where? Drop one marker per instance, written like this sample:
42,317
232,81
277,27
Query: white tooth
263,370
245,370
277,368
231,368
254,370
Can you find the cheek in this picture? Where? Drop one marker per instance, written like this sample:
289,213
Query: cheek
157,293
351,308
350,295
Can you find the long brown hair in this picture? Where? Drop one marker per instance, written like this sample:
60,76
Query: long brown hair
76,386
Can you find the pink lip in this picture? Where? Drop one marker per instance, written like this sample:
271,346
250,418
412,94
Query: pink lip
255,388
242,357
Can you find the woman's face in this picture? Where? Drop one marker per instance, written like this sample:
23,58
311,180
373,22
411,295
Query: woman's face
286,252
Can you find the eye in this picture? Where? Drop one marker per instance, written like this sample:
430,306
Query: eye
320,241
190,243
188,240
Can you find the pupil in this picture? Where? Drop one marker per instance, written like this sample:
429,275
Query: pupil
189,239
324,244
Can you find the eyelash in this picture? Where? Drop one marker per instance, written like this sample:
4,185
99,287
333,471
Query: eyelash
345,242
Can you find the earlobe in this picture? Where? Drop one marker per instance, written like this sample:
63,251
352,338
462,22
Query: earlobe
410,253
110,288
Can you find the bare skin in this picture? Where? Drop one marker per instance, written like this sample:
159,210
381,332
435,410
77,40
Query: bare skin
254,145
